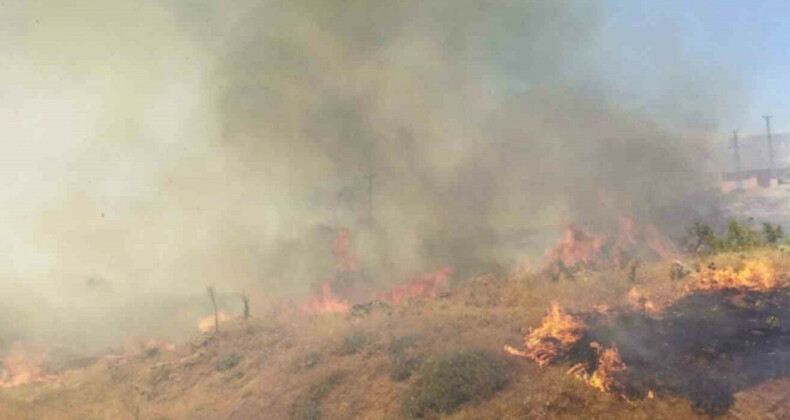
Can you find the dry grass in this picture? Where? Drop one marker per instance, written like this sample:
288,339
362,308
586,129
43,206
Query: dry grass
282,357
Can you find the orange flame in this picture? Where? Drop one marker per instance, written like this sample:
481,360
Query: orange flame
626,235
641,303
21,367
426,285
655,242
345,260
605,376
577,247
326,302
755,274
557,334
206,323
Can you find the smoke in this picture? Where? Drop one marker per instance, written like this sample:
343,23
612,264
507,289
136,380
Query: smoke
163,146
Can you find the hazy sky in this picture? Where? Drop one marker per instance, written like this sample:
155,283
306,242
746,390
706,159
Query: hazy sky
742,41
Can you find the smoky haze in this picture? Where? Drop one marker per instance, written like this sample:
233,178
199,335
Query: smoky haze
151,149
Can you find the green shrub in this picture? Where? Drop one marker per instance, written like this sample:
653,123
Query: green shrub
455,379
773,234
355,341
403,366
702,239
150,352
228,362
402,363
740,237
308,407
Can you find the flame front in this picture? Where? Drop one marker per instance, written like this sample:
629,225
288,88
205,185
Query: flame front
755,274
326,302
206,323
557,334
606,376
426,285
21,367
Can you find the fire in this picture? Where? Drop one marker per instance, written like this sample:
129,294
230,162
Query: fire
605,377
326,302
425,285
756,274
206,323
640,302
579,248
345,260
557,334
626,235
655,242
22,366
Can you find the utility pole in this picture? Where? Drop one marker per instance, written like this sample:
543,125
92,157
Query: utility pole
737,150
370,198
371,174
770,144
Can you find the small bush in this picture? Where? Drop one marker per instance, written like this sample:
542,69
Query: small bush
773,234
702,239
355,341
308,407
453,380
150,352
309,361
403,364
228,362
740,237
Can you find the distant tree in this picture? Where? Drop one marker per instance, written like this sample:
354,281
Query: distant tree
773,234
740,237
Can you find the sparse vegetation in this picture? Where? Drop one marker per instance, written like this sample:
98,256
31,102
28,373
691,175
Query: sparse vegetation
309,361
228,362
150,352
245,300
403,363
773,234
308,407
355,341
702,238
455,379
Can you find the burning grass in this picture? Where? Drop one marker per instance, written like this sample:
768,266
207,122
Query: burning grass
701,347
724,332
557,334
23,366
